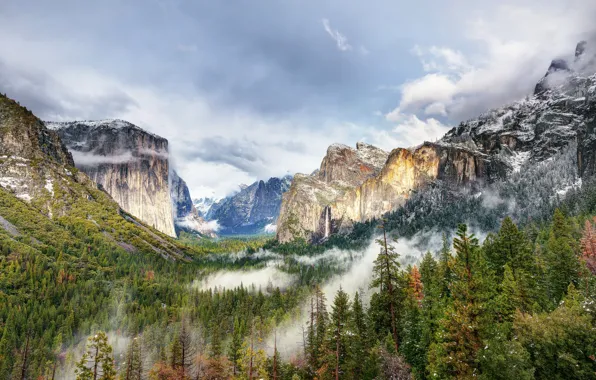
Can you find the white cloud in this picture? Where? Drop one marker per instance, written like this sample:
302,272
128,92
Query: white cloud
513,46
414,131
340,39
431,88
91,159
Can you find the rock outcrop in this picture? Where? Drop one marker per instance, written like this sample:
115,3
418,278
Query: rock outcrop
32,157
128,162
559,116
186,216
254,209
304,211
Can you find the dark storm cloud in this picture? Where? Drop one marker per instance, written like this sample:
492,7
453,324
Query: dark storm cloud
242,154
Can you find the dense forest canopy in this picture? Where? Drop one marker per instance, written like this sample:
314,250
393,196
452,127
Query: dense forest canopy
520,304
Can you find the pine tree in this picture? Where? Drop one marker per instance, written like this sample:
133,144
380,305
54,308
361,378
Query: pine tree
338,343
385,276
562,261
359,344
509,246
317,330
455,355
235,345
97,362
133,367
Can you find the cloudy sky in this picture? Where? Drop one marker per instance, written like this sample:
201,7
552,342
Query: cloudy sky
249,89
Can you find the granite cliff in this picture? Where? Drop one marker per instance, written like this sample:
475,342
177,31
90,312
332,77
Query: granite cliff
129,163
511,145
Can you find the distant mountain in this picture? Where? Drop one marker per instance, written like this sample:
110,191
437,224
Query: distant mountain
186,216
518,159
204,204
253,210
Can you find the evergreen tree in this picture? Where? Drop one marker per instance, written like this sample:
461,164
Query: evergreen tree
133,366
317,330
338,341
385,277
97,362
235,345
455,355
561,257
359,344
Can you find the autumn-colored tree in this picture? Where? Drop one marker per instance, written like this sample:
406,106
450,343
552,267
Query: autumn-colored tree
162,371
415,284
588,246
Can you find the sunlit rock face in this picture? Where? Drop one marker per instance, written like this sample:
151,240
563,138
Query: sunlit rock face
128,162
303,211
489,149
313,209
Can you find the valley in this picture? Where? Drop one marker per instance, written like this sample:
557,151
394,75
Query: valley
472,256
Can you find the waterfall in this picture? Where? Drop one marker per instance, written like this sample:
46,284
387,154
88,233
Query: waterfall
327,221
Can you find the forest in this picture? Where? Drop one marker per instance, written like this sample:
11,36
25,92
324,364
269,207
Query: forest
518,305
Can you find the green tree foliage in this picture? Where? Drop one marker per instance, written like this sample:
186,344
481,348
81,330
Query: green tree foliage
97,362
562,343
386,277
456,353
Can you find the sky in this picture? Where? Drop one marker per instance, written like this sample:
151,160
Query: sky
250,89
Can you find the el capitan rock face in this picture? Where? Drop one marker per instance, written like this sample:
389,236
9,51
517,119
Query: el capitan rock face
523,136
128,162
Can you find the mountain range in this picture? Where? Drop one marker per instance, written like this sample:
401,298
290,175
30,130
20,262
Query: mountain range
252,210
520,145
525,154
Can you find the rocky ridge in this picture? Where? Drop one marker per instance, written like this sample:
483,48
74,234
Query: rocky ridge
45,198
253,210
476,155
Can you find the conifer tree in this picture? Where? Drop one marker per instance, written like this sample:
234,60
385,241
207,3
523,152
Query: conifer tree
338,341
97,362
562,261
235,345
455,355
359,344
385,277
133,367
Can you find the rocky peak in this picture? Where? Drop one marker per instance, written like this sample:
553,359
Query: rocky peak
477,154
24,135
344,164
252,210
580,49
186,216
